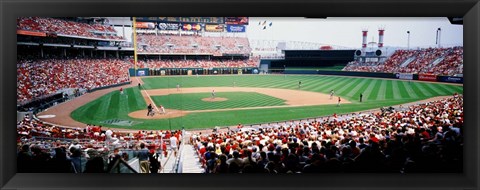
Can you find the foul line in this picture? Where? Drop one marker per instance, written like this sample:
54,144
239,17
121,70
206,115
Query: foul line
148,95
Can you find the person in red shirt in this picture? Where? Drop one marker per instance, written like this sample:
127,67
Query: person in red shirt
121,90
339,100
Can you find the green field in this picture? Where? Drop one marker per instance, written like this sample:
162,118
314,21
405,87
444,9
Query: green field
114,107
193,101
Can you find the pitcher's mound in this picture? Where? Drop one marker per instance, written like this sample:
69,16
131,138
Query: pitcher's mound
214,99
142,114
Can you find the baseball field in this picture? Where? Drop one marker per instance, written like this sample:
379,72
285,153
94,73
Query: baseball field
248,99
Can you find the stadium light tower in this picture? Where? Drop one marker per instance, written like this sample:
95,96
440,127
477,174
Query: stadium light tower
364,40
439,34
381,31
408,40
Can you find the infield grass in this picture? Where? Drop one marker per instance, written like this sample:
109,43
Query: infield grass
193,101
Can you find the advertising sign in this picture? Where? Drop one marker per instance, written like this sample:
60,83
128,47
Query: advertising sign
426,77
140,73
168,26
214,28
149,25
209,20
188,27
235,28
450,79
236,20
405,76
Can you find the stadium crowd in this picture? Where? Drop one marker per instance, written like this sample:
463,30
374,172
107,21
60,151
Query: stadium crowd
191,44
421,138
93,149
253,62
60,26
437,61
41,77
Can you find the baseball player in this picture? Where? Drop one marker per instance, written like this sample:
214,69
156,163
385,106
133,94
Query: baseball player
339,100
331,94
213,94
121,90
299,84
234,84
361,96
149,109
163,109
178,87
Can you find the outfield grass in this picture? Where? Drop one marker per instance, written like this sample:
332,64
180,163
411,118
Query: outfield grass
193,101
376,93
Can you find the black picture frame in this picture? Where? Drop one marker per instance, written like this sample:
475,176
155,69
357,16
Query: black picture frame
468,9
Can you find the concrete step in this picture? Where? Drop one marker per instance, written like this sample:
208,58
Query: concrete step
190,160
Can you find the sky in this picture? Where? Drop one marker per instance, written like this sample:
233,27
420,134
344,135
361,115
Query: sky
347,31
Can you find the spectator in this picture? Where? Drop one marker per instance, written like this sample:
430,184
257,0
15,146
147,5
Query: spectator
143,158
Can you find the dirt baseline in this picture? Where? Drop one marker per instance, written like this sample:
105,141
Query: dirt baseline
293,98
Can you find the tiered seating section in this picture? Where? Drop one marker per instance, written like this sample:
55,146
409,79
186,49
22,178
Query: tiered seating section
46,148
423,62
421,138
253,62
41,77
191,44
59,26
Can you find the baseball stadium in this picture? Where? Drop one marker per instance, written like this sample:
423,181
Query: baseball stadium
229,95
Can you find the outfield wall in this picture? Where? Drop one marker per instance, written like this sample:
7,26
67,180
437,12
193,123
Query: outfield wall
192,71
403,76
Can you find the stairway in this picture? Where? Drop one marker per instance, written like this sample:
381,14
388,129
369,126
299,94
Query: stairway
408,61
167,163
190,160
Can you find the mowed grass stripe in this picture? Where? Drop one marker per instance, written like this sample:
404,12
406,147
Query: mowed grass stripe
139,98
382,91
417,90
396,90
458,89
369,89
409,89
91,111
113,109
133,102
403,92
374,92
104,106
428,88
389,90
447,89
325,84
336,86
435,88
347,88
422,88
318,84
327,87
124,104
355,92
